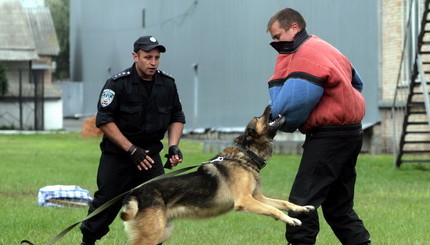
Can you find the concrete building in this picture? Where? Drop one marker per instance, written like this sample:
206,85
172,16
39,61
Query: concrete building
219,53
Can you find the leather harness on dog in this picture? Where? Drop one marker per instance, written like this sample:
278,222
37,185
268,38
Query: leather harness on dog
258,161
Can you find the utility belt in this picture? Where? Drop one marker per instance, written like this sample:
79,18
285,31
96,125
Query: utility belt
336,130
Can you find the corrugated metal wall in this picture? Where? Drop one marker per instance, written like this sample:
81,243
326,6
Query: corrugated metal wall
72,96
226,39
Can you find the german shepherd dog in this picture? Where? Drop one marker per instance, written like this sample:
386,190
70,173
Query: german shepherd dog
230,181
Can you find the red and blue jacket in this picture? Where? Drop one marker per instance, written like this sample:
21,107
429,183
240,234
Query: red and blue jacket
314,85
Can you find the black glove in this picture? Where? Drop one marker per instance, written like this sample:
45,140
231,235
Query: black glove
138,155
173,150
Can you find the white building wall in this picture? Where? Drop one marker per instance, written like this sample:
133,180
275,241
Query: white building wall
10,115
53,116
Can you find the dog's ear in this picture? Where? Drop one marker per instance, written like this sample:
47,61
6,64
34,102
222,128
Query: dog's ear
239,139
247,137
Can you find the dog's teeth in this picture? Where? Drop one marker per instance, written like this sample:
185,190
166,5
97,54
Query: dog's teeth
275,121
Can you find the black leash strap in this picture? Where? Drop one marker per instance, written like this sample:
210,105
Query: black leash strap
108,204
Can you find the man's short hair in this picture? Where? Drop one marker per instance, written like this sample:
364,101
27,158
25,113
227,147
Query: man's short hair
286,17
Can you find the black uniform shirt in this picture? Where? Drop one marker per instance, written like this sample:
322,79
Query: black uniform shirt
141,116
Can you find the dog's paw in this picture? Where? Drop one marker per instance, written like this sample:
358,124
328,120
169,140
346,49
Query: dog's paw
291,221
294,222
304,209
308,208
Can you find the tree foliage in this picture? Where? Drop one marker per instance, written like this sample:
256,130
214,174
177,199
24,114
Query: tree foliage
60,16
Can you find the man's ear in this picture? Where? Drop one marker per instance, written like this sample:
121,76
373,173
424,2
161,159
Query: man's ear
295,27
135,56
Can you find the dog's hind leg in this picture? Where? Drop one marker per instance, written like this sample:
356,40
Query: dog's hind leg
282,205
249,204
168,230
147,228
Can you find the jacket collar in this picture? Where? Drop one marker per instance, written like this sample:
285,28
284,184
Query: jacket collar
288,47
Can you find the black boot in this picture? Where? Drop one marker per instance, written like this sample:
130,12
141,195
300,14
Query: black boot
87,243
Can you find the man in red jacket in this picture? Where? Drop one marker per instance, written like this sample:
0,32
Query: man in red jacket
318,91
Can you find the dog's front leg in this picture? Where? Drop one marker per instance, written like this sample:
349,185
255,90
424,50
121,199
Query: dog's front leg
251,205
282,205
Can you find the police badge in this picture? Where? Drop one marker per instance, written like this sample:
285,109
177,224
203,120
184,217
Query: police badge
107,97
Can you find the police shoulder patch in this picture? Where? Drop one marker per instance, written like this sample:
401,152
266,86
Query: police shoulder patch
121,74
165,74
107,97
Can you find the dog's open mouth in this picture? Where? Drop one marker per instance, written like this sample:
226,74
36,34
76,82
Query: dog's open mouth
277,122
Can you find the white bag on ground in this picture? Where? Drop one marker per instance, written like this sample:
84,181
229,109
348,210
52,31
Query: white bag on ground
63,196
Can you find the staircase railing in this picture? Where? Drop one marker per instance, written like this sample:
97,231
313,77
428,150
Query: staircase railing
424,86
410,67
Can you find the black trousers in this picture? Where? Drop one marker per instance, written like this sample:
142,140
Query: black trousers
326,178
116,175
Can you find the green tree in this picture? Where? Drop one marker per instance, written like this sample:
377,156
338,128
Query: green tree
3,81
60,16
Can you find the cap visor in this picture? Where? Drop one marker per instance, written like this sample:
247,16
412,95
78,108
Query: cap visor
150,47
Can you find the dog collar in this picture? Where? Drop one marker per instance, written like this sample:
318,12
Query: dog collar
259,162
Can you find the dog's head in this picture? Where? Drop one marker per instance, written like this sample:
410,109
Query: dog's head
260,131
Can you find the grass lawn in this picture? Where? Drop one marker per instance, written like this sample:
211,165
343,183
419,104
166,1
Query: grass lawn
393,203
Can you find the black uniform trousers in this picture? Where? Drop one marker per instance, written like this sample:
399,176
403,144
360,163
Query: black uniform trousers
116,175
326,178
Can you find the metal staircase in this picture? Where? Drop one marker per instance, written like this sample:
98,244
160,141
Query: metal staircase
411,106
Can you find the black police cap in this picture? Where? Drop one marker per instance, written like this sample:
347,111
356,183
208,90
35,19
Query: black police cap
147,43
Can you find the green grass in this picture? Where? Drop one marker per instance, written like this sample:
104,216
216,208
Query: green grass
393,203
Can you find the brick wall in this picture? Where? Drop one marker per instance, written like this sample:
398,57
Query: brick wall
392,34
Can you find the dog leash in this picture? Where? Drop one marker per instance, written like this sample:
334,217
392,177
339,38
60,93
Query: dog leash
109,203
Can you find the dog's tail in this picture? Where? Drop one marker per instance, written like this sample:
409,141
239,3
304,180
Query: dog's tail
129,209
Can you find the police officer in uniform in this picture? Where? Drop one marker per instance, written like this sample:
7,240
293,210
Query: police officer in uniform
135,109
